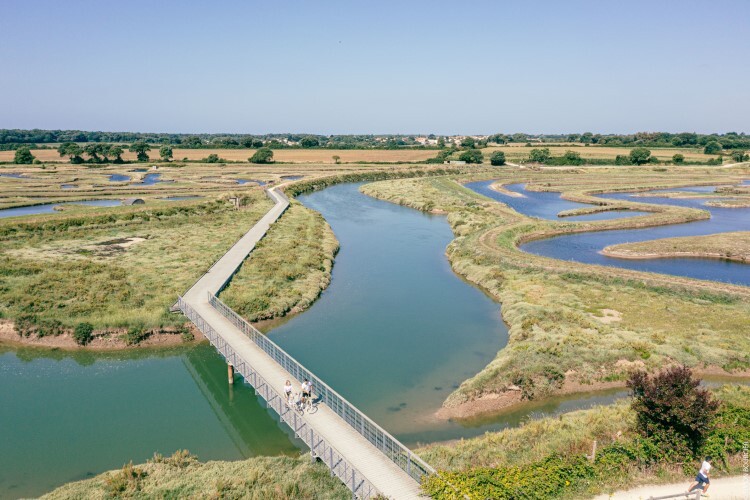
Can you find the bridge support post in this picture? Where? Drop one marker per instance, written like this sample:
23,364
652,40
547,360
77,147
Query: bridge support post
230,373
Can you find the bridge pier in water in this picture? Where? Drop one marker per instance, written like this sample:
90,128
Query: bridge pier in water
230,373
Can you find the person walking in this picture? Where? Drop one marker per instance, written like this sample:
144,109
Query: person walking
288,392
701,479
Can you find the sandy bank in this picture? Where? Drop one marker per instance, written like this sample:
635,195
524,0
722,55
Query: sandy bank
108,340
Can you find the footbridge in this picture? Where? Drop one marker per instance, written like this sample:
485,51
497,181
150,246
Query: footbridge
365,457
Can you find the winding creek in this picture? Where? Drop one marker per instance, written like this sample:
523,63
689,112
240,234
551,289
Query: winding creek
586,247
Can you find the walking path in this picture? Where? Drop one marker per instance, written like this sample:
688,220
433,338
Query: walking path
722,488
353,457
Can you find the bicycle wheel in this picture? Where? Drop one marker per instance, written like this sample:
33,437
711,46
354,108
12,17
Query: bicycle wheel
312,408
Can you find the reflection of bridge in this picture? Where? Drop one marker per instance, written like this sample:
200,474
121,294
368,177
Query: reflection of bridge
364,456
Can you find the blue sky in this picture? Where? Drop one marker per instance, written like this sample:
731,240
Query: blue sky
376,67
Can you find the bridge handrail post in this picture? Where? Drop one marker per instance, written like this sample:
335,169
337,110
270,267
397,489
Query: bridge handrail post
414,466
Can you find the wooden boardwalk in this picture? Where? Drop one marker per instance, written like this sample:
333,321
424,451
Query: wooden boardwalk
364,456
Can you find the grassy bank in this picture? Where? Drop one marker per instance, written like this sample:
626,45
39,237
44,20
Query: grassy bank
287,270
118,268
576,327
726,246
551,457
182,476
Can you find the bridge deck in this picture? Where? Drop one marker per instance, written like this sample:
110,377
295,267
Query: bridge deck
384,475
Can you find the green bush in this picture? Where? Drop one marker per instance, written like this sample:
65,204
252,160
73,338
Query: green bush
678,159
497,159
672,411
83,333
639,156
471,156
712,148
212,158
136,335
262,155
23,156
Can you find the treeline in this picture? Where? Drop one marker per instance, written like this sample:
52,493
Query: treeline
12,138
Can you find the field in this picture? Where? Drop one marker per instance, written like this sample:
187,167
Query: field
279,155
577,327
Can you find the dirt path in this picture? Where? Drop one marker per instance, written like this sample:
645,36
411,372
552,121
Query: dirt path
723,488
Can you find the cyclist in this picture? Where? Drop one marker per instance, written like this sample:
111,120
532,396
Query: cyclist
306,391
288,392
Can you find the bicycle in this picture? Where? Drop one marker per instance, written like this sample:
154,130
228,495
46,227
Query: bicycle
306,404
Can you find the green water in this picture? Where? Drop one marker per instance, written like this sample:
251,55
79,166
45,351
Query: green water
67,416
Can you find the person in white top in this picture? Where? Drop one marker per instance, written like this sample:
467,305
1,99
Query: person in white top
306,390
288,391
701,479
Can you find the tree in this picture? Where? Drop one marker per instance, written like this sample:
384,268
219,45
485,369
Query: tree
639,156
622,160
441,142
309,141
140,148
166,153
678,159
572,158
471,156
740,156
96,149
83,333
539,155
468,142
497,158
263,155
712,148
212,158
116,151
72,150
23,156
672,410
336,159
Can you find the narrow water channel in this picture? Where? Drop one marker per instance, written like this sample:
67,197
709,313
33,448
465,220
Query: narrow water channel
586,247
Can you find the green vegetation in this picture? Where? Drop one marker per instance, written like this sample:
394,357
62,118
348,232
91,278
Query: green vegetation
552,457
712,148
23,156
471,156
288,269
213,158
166,153
262,155
114,268
678,159
727,246
83,333
497,159
182,476
141,149
639,156
672,412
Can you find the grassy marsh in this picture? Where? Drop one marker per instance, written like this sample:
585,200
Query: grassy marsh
576,326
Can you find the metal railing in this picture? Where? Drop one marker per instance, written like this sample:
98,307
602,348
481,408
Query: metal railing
379,437
319,447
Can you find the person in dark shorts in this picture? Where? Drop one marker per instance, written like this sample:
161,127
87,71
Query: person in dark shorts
306,390
701,479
